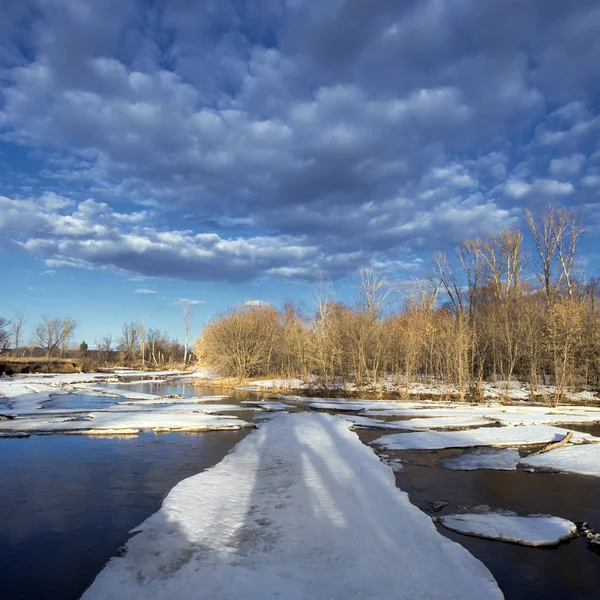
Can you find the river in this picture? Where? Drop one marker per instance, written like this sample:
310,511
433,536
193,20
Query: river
69,503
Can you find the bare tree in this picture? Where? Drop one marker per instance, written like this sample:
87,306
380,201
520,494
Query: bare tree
129,341
54,334
556,233
4,335
141,327
187,313
373,290
104,346
446,278
16,328
241,342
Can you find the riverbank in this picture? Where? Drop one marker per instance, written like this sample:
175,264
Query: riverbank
390,389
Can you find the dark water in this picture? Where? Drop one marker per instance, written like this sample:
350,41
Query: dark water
568,571
68,502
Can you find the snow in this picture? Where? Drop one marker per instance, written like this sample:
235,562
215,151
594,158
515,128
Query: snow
119,420
27,393
282,517
583,459
105,432
534,530
461,415
484,436
273,384
358,422
166,400
442,422
503,459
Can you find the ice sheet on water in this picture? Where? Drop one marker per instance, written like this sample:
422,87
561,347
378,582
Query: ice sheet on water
501,459
583,459
300,509
118,420
533,530
484,436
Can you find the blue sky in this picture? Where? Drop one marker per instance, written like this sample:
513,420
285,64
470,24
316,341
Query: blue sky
224,151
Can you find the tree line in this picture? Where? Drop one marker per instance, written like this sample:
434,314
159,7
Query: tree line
52,337
510,305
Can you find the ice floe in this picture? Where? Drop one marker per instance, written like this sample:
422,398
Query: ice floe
483,436
583,459
282,517
120,420
461,415
501,459
167,400
533,530
442,422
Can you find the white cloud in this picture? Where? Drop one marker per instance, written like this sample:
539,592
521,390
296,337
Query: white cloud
187,301
145,291
567,166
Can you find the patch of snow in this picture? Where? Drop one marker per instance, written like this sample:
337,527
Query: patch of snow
484,436
283,517
583,459
273,384
104,432
503,459
533,530
142,381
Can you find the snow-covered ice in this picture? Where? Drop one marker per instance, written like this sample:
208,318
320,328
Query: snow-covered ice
120,420
460,415
533,530
484,436
283,517
167,400
583,459
442,422
501,459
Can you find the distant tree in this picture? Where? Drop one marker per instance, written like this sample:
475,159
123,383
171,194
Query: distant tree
16,328
141,327
104,345
4,336
129,341
83,348
187,313
53,334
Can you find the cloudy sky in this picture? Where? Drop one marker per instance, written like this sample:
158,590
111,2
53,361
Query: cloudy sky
224,151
